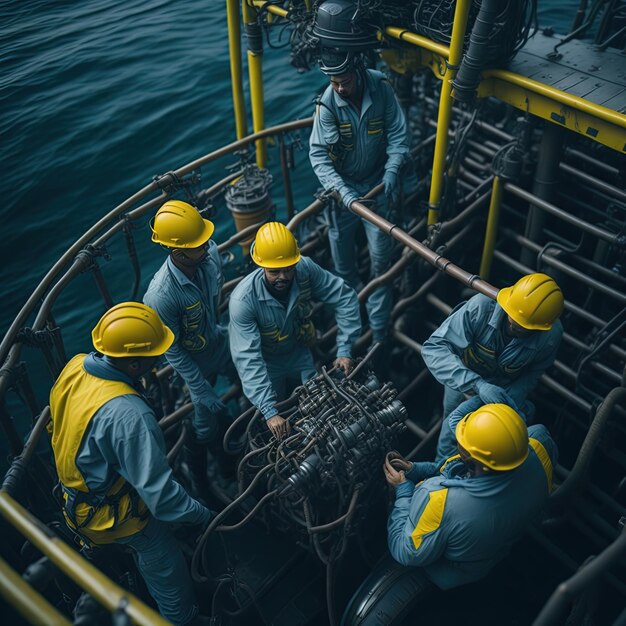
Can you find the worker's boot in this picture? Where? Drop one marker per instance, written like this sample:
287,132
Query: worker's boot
195,457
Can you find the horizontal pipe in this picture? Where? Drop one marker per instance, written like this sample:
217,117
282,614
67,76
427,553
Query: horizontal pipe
437,260
417,40
548,259
74,566
592,181
566,217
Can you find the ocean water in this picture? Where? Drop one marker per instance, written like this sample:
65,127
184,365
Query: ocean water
97,97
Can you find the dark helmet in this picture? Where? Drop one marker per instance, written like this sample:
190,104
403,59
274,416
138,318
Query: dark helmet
337,26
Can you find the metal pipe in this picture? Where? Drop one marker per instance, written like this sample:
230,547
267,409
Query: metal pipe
573,482
492,228
255,73
234,54
270,8
284,168
461,12
545,184
566,269
418,40
74,566
435,259
594,182
30,604
560,213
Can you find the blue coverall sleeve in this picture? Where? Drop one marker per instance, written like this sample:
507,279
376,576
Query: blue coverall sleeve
323,135
334,291
403,522
245,348
179,358
441,351
396,131
519,388
139,449
446,446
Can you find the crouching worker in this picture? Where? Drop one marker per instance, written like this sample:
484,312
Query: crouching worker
452,522
270,321
110,456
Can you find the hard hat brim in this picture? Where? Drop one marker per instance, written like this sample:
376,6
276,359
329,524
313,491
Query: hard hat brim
203,237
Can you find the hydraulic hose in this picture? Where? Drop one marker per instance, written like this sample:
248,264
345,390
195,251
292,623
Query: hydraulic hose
466,81
573,483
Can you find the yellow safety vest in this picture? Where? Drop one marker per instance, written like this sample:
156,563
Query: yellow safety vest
74,399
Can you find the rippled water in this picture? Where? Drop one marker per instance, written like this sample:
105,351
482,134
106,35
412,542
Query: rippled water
99,96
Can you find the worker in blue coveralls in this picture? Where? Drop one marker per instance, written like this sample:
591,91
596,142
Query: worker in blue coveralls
110,456
457,519
185,292
270,321
498,350
359,139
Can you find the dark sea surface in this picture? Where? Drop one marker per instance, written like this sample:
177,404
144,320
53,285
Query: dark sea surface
97,97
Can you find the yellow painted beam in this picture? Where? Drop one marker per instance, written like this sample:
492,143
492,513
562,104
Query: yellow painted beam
604,129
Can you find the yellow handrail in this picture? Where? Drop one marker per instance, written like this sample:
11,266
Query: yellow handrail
30,604
492,228
74,566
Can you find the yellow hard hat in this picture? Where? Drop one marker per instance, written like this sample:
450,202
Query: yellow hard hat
177,224
495,435
131,329
535,301
275,246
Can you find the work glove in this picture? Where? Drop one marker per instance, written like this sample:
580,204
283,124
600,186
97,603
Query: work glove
211,402
492,394
392,190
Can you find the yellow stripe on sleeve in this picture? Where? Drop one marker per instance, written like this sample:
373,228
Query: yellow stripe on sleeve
431,516
544,457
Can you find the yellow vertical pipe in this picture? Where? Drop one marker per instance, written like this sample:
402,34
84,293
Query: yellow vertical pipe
255,72
234,47
461,12
492,228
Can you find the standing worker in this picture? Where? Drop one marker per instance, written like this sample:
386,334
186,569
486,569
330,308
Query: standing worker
498,350
270,320
110,456
185,292
359,139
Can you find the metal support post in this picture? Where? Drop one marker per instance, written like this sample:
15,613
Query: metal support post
492,228
544,186
234,47
255,71
445,109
